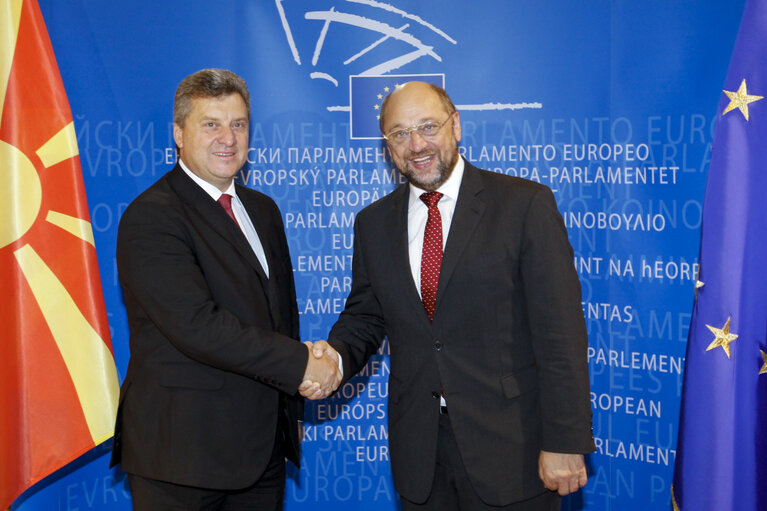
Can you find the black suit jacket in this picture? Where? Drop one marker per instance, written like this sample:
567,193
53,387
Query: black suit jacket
215,361
507,345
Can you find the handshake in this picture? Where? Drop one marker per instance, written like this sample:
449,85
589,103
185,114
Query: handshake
323,371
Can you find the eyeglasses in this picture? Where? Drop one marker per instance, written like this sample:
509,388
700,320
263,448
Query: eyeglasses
426,130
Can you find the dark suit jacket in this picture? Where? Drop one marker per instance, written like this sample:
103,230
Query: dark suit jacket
507,345
215,361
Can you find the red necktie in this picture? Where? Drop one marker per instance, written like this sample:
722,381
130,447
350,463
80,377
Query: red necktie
431,257
226,202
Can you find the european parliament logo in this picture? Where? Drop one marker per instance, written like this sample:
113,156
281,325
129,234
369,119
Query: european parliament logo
366,93
367,40
366,37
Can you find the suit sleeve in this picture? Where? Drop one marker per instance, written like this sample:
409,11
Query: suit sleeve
559,338
164,284
360,328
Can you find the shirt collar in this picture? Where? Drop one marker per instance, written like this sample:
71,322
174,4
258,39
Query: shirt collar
449,188
210,189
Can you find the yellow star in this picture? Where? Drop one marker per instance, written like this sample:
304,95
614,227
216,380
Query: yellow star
376,107
386,89
763,370
740,100
380,96
722,337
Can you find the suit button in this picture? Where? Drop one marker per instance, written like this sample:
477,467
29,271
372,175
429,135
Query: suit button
438,346
435,395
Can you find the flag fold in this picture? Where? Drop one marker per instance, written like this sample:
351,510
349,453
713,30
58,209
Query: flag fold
721,462
58,383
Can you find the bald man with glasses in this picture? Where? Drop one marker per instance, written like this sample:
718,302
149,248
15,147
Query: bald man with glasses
469,273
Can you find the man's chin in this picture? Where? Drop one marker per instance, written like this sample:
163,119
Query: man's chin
424,183
229,171
429,181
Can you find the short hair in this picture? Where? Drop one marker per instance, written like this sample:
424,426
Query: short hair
207,83
439,91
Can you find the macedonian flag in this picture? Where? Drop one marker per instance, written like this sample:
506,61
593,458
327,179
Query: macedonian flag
58,384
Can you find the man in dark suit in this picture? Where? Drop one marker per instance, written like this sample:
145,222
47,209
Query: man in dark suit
488,390
209,407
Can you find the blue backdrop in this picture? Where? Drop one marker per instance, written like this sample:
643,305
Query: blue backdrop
611,104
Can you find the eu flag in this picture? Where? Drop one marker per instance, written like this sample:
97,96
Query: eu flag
366,94
721,460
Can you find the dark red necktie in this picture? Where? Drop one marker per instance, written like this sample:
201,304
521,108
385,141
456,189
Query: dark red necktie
431,257
226,202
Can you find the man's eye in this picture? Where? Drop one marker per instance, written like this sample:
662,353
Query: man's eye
401,134
426,128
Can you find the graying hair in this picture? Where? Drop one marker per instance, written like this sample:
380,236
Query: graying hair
207,83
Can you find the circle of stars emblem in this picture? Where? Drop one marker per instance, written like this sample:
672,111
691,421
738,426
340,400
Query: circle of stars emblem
381,95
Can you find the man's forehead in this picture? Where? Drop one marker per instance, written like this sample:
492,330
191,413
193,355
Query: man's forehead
204,103
414,112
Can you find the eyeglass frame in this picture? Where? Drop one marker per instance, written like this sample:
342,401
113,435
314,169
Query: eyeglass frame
417,129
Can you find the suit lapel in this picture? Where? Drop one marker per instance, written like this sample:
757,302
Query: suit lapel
468,211
214,215
396,233
273,284
259,223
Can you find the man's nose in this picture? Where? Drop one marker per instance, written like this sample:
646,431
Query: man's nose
227,136
417,141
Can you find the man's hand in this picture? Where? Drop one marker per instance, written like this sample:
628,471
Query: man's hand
563,473
308,388
322,375
320,348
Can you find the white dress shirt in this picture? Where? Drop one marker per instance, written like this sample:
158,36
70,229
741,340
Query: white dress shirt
239,213
418,213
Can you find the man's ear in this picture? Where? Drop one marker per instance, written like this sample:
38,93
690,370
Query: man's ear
178,132
457,126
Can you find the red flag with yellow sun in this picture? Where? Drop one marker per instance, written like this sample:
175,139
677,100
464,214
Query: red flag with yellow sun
58,383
